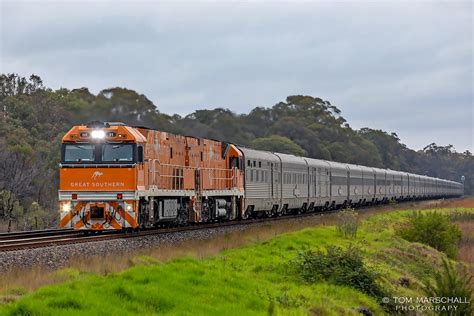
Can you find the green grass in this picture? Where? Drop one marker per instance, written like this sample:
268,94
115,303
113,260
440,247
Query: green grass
254,280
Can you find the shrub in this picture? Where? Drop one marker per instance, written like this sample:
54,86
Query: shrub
340,267
347,223
450,283
433,229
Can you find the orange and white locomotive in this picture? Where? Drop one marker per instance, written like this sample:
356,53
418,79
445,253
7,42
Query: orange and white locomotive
115,177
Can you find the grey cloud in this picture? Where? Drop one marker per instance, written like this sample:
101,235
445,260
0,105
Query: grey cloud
399,66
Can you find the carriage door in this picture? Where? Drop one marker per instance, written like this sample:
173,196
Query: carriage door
271,179
348,185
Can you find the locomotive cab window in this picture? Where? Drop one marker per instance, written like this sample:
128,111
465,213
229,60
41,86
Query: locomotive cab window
117,153
234,162
79,153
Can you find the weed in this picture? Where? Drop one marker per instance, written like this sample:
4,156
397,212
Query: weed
459,215
433,229
122,292
347,223
340,267
65,303
449,283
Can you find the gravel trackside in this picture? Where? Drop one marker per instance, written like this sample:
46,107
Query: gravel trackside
54,257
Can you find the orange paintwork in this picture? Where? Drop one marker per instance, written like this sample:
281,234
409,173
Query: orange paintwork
122,134
97,179
174,160
171,162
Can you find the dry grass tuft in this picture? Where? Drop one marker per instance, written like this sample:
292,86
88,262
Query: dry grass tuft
466,247
466,202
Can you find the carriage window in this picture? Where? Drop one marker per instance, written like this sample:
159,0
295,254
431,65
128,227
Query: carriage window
254,163
260,164
248,162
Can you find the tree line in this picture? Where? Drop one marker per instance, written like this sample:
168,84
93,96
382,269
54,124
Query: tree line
33,119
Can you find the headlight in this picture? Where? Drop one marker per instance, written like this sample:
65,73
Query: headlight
98,134
66,207
129,208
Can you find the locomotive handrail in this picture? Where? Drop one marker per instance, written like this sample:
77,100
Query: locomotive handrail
172,176
95,165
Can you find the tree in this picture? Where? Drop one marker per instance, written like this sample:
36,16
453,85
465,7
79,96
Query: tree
276,143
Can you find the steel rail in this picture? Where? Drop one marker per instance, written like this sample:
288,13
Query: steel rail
36,233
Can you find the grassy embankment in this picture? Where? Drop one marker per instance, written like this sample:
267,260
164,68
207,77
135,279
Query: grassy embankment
254,279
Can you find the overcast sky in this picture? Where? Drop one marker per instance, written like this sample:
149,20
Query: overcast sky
401,66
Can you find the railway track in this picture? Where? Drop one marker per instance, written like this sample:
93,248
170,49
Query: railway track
37,240
36,233
55,237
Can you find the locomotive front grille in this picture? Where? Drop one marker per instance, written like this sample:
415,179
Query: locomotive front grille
97,212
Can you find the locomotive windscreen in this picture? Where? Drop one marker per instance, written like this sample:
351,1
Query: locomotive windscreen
106,153
117,152
78,153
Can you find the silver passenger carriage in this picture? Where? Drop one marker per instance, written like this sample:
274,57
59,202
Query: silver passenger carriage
262,181
319,190
294,194
356,184
369,185
339,183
